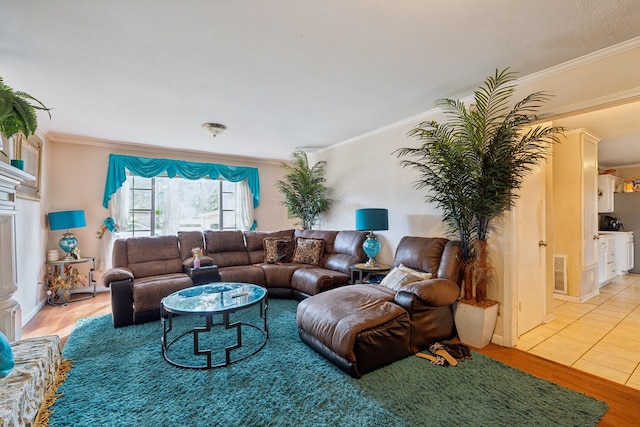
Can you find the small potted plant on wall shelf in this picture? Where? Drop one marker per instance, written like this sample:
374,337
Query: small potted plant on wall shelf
18,115
473,163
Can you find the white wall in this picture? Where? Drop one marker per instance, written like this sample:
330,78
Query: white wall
31,243
366,174
30,250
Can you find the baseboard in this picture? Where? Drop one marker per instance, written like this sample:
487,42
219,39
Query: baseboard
497,339
579,300
590,295
27,317
565,297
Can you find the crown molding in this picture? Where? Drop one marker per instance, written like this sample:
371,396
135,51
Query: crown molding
581,61
608,100
637,165
154,150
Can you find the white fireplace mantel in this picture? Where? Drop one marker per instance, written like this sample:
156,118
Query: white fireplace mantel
10,313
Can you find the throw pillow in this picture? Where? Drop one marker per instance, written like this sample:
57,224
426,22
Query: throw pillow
308,251
6,356
397,278
277,249
422,275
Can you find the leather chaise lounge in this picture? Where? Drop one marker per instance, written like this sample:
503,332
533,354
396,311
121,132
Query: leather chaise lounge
363,327
146,269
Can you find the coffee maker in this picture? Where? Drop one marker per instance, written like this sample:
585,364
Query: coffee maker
611,223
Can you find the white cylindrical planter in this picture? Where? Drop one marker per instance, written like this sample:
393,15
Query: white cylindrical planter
475,324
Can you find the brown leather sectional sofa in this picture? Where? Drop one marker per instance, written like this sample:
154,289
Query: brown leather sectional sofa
370,326
146,269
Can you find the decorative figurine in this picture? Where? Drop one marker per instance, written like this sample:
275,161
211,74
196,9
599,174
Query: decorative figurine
196,255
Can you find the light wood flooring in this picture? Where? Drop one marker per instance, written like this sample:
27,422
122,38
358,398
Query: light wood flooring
624,402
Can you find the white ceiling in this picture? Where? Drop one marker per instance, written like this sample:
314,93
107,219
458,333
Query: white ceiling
279,74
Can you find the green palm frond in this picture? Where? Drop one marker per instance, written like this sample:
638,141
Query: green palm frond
303,188
472,163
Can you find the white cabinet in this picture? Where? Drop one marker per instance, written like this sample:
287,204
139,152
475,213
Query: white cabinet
606,259
606,187
624,250
575,210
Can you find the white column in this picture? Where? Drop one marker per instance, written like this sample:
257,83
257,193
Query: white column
10,312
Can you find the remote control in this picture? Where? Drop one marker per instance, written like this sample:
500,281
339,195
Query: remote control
239,294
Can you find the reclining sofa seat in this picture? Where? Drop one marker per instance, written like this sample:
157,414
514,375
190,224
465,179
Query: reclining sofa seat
363,327
240,258
146,269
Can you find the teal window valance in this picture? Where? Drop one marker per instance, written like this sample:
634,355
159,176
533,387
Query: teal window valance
148,168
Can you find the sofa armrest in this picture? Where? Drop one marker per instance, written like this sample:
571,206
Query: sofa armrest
431,292
122,302
116,275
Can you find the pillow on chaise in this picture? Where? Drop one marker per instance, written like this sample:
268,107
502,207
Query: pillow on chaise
308,251
422,275
397,278
277,249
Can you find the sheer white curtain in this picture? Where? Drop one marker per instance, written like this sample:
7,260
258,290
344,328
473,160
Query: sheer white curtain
119,211
244,206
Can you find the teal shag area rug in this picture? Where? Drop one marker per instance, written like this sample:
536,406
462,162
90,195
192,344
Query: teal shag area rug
120,378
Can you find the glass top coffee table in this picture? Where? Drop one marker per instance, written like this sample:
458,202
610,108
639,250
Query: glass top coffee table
224,307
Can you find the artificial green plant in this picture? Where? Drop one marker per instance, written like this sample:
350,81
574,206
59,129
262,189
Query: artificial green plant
474,162
18,112
303,188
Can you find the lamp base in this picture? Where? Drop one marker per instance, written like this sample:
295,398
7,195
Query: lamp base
68,243
371,247
68,257
372,263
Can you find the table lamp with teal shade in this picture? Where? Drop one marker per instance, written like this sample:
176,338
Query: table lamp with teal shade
372,219
67,220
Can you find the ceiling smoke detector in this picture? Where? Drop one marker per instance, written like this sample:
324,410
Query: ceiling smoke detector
214,129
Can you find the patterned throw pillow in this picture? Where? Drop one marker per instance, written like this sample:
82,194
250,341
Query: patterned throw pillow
277,249
308,251
397,278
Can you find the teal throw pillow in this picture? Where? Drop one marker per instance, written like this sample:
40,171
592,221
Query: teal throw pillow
6,356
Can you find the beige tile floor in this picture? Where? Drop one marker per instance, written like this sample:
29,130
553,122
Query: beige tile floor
600,336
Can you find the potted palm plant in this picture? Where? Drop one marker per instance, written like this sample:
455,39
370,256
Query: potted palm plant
18,112
473,164
305,195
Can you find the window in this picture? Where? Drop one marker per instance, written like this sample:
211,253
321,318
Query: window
163,205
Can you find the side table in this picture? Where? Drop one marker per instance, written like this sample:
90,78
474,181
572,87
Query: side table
62,270
203,275
360,273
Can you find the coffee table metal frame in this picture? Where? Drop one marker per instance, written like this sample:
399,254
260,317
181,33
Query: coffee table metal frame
167,325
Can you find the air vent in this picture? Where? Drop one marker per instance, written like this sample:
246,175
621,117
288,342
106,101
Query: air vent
560,274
